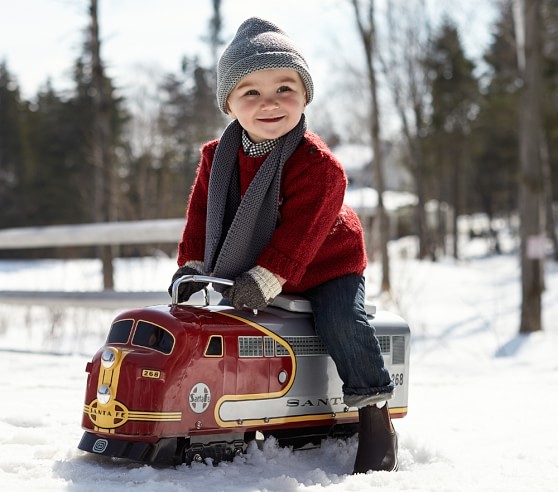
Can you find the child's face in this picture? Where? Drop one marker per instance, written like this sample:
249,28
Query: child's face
268,103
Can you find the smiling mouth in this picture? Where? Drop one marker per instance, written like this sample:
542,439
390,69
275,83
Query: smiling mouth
270,120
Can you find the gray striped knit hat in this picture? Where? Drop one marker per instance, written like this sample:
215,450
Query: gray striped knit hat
258,45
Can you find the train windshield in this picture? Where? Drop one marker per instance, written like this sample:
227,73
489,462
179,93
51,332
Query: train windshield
154,337
120,331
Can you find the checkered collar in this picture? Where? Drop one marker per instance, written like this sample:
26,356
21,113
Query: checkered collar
257,149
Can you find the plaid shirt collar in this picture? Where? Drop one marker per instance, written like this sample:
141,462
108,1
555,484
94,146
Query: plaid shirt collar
259,149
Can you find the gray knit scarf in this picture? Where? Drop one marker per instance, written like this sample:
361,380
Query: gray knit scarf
238,229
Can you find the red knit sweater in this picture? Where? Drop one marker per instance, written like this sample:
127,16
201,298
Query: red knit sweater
317,238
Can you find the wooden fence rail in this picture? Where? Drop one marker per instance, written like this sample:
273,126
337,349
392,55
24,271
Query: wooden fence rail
133,232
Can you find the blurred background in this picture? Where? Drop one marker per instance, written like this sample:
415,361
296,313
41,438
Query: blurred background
444,114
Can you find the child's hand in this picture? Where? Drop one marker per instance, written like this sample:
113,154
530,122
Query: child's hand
254,289
186,289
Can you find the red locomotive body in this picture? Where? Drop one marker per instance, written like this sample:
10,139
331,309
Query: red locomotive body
179,383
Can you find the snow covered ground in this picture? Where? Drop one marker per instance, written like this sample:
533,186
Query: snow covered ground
483,401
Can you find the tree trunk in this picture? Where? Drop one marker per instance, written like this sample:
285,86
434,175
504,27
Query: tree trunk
367,34
456,198
104,175
531,187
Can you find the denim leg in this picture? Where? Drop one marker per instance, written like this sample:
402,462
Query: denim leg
342,325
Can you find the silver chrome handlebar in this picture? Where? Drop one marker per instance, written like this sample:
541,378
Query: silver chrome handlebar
197,278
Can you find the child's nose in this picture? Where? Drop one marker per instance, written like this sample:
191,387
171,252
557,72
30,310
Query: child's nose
269,102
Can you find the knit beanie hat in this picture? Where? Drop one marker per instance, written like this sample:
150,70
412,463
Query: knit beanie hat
258,45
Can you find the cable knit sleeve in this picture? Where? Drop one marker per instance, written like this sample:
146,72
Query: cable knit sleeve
192,244
313,190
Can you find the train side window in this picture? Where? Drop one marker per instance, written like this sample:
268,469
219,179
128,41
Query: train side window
153,336
214,346
120,331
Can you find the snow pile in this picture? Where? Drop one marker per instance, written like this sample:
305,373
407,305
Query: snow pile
482,401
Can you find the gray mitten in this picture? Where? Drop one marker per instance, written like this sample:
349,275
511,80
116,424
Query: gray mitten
186,289
254,289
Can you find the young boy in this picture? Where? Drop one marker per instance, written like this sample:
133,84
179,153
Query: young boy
267,210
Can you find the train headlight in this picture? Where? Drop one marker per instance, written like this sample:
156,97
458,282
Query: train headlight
103,394
108,358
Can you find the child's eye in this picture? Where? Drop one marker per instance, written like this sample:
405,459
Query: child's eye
252,92
284,88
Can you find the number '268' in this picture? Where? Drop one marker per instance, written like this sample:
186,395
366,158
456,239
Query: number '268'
397,379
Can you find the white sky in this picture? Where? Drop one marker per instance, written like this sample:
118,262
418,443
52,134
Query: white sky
42,38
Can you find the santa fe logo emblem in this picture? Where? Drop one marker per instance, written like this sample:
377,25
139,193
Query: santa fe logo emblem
100,446
199,398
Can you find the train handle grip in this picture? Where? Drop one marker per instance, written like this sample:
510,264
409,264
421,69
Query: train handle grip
197,278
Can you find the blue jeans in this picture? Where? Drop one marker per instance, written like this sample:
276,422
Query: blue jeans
342,325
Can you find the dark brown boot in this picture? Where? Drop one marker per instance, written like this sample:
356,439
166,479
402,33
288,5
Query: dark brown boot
377,441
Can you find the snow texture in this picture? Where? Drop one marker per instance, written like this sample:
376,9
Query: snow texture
482,405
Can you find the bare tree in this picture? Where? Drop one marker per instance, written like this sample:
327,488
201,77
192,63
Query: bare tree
104,182
531,186
407,38
367,31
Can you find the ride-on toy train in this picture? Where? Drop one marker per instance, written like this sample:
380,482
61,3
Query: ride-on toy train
180,383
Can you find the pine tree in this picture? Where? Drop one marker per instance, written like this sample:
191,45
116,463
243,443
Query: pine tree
11,150
455,97
549,19
53,162
493,179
